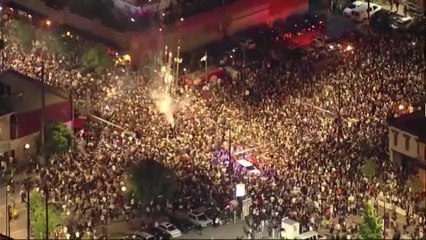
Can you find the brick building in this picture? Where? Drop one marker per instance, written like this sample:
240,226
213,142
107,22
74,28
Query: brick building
22,124
407,143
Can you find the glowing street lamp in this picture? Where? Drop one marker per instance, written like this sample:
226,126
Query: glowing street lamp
401,107
48,22
27,146
123,189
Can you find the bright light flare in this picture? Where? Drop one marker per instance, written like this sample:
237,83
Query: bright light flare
48,22
401,107
349,48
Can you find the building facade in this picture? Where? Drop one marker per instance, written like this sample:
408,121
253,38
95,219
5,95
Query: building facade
133,7
407,143
21,126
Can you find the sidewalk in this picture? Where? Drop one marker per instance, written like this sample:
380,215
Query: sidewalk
18,227
387,7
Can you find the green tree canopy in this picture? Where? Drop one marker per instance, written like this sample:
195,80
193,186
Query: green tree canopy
369,169
38,216
59,42
371,228
150,179
23,32
96,59
58,138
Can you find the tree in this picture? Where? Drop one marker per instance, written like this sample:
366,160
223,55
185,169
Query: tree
96,59
59,138
38,216
150,179
58,42
369,169
23,32
371,228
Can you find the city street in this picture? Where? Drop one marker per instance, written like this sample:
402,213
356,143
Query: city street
18,227
229,231
270,136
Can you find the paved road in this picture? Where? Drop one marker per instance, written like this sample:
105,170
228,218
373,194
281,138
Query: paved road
229,231
18,227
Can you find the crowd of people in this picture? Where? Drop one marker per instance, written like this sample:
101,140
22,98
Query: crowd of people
310,132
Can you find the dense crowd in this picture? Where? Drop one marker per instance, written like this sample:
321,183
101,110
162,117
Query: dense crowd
311,133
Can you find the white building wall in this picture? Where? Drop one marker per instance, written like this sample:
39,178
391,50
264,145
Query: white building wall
21,154
400,146
417,150
5,127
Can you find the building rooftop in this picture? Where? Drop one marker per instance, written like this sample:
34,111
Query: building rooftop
142,3
413,123
26,92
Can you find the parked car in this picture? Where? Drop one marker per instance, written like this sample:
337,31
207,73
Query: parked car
183,224
170,229
199,219
358,10
139,236
354,5
322,41
402,23
159,233
248,167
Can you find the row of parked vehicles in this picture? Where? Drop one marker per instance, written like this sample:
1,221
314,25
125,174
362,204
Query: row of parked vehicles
360,12
173,228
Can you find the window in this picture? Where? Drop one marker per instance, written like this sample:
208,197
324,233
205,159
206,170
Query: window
395,138
407,143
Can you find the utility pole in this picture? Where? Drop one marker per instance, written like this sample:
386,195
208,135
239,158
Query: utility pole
368,14
206,64
231,163
7,212
43,141
2,43
384,220
46,203
28,212
339,116
178,61
42,120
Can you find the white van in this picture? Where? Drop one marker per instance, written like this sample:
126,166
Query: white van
248,167
357,11
311,235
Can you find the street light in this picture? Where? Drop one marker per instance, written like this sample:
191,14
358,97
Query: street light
204,59
1,38
123,189
27,146
48,22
